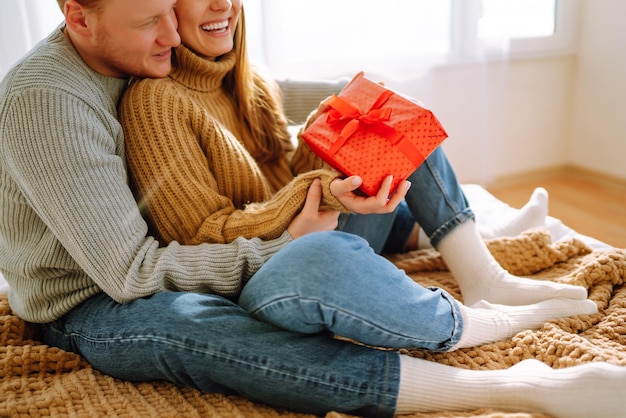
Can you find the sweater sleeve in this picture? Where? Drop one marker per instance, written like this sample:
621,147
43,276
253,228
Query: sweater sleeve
187,169
76,228
303,158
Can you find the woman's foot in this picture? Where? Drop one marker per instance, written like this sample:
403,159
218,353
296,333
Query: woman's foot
532,215
484,322
593,389
480,277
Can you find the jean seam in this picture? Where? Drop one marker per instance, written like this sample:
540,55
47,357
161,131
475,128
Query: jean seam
184,346
442,231
368,323
458,320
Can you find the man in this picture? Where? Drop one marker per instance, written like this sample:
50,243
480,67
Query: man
79,259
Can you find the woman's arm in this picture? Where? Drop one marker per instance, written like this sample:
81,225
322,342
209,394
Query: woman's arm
196,180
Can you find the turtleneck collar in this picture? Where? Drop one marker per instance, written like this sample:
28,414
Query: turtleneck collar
198,73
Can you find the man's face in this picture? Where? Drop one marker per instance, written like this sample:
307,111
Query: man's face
133,38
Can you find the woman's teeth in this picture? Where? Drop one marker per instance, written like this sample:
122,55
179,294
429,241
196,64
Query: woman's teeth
215,26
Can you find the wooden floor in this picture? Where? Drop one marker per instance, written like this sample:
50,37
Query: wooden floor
590,204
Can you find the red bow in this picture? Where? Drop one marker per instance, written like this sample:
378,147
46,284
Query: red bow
342,110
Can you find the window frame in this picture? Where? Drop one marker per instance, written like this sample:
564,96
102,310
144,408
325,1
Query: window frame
465,46
564,41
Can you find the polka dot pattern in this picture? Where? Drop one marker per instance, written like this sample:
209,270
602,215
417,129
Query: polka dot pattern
373,153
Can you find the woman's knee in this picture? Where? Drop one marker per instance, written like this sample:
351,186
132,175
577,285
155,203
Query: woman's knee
318,252
311,266
332,245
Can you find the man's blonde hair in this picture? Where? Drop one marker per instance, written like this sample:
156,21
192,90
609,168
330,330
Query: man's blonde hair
89,4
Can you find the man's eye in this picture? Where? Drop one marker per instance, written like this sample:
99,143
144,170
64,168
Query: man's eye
149,23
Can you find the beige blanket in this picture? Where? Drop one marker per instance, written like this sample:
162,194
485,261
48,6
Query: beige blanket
36,380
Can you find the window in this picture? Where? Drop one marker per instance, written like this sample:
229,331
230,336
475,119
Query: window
517,19
23,23
530,27
318,36
347,33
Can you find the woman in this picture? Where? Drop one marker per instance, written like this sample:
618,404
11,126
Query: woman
211,161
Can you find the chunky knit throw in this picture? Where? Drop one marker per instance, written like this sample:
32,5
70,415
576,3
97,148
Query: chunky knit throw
37,380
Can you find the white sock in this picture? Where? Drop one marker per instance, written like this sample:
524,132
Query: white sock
593,389
532,215
485,323
480,277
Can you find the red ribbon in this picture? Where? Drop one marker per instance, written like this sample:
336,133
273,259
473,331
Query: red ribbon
343,110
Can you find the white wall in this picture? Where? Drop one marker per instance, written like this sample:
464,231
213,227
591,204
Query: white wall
518,116
502,117
598,135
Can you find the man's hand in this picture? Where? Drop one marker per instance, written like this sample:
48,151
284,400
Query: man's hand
344,189
311,219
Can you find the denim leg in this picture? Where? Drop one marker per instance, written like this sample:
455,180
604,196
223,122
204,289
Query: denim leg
210,343
436,198
401,229
387,233
374,228
343,287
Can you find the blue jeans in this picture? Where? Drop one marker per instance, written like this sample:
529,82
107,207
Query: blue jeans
276,343
435,201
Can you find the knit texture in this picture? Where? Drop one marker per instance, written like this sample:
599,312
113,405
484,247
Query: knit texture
70,227
37,380
192,162
300,97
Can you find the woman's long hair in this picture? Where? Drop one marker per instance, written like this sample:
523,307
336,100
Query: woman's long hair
259,102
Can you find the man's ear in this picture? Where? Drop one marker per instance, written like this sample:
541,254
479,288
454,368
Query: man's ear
76,18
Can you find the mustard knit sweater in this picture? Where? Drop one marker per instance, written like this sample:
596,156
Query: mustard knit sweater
190,165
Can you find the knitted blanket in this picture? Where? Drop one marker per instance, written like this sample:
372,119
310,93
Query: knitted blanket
37,380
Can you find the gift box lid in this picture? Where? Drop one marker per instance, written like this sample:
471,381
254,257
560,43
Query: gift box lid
372,131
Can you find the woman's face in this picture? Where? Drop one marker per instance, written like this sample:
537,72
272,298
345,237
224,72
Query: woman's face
207,27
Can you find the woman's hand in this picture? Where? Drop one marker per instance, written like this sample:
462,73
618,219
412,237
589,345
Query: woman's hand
343,190
311,219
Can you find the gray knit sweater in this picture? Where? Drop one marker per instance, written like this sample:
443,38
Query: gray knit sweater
69,225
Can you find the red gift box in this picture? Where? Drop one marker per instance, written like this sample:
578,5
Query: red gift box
370,131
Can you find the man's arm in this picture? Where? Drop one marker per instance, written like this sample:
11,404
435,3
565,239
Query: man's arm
66,158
